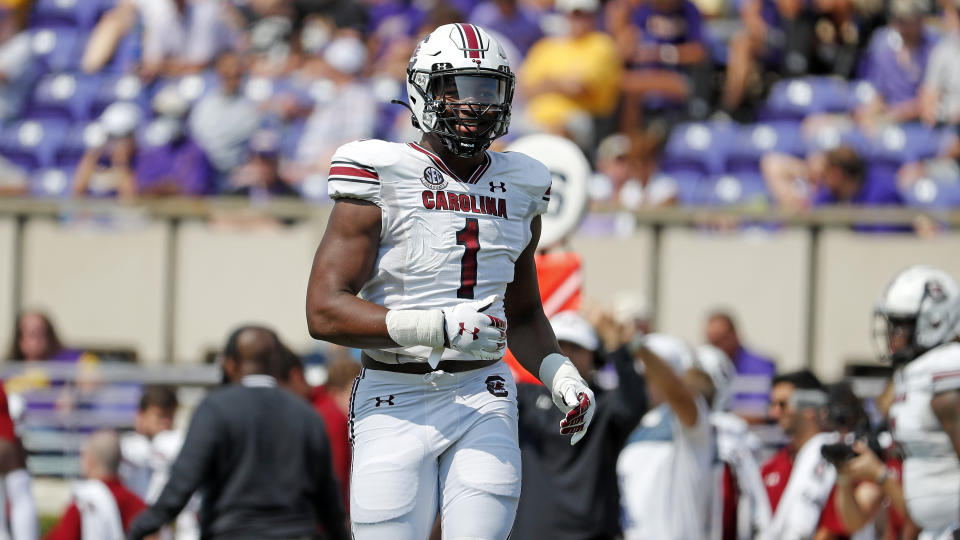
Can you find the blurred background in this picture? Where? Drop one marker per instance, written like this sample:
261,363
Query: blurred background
163,174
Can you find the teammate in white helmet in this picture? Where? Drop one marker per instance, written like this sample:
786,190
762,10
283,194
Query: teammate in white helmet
918,320
427,265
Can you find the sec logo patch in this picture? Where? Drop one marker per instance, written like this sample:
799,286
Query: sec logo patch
433,179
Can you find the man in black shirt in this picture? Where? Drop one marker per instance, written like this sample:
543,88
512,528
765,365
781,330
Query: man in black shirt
570,492
258,455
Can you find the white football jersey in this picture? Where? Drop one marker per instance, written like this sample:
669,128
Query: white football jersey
931,471
444,239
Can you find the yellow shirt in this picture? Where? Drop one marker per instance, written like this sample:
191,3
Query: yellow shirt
592,59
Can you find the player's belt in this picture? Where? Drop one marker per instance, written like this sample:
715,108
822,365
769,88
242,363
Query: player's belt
422,368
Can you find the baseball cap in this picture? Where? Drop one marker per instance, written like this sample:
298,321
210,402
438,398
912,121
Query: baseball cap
571,327
672,350
569,6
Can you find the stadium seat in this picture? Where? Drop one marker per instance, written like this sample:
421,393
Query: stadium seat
57,49
753,141
51,182
61,96
794,99
690,188
32,144
126,55
82,14
78,138
933,192
698,148
742,189
112,88
899,144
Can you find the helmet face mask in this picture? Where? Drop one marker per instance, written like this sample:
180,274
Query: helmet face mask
894,338
461,89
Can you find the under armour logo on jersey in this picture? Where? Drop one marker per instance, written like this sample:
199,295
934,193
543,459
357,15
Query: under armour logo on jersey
494,187
381,400
475,333
495,386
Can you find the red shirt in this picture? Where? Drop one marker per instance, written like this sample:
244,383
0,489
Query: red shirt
338,431
6,423
776,473
68,528
830,518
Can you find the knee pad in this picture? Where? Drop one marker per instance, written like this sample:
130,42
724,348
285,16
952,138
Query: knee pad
493,468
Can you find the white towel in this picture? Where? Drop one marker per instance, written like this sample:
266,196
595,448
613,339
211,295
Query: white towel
99,515
811,480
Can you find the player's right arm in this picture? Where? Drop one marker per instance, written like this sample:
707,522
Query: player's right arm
342,264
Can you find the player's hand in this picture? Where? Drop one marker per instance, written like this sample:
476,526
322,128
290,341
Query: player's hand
570,394
579,403
471,331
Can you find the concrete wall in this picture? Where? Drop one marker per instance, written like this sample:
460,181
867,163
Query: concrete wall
852,272
759,277
227,277
102,286
8,263
614,265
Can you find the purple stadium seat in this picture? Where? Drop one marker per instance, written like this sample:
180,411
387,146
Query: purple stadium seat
936,192
63,95
690,188
794,99
698,148
753,141
112,88
32,144
742,189
127,54
82,14
78,138
57,49
899,144
51,182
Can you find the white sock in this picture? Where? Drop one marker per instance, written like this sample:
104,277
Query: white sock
23,509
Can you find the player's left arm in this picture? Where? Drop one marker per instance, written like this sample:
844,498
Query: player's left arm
531,338
946,405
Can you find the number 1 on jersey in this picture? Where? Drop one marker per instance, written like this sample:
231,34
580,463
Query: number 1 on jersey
469,238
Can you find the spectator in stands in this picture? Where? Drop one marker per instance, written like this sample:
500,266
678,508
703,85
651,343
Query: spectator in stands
16,66
279,483
895,63
346,112
259,177
666,469
507,17
102,507
798,478
751,384
169,162
179,36
571,491
35,339
940,92
108,166
223,121
665,57
567,97
625,174
835,177
330,402
18,517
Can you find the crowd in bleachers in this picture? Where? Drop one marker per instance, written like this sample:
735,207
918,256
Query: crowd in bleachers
760,103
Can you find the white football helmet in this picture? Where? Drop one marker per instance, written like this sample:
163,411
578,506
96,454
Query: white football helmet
460,87
918,311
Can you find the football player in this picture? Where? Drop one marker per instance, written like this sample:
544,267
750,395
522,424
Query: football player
918,323
427,264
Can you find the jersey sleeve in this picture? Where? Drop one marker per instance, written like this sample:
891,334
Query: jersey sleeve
543,202
945,369
353,174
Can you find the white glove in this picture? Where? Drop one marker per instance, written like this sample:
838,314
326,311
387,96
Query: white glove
473,332
570,394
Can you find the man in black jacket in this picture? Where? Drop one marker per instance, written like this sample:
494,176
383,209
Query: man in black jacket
259,457
570,492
